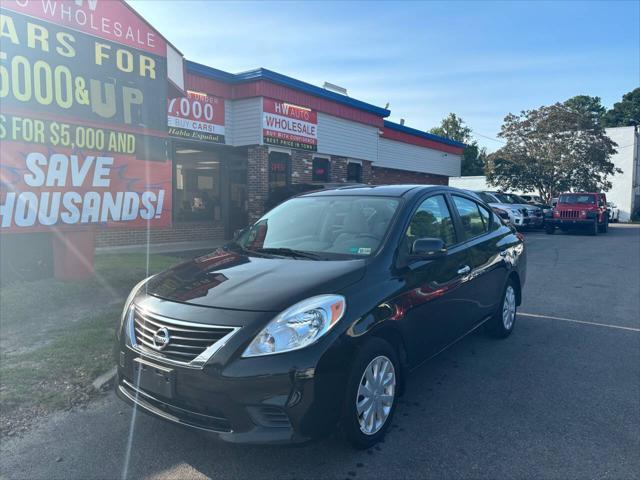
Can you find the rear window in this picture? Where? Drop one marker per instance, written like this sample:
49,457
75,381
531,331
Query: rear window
585,199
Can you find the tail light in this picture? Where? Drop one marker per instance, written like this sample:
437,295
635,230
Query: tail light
520,236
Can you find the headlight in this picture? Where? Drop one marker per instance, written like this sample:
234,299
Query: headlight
127,303
298,326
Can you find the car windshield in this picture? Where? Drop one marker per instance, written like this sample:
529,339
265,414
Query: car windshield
323,226
508,198
485,197
577,198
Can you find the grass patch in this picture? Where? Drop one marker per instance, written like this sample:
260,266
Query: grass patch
58,336
115,275
51,375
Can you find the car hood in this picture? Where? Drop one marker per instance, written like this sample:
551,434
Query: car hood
232,280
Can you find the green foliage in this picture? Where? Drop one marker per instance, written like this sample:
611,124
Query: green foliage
589,110
474,160
454,128
625,113
553,149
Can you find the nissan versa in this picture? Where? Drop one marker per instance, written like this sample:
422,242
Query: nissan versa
312,317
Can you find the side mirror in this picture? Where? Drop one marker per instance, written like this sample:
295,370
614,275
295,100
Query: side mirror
238,233
428,249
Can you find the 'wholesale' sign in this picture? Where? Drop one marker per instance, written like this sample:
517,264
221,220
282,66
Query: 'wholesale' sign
83,133
197,116
289,125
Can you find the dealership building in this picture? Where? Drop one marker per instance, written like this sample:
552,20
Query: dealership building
185,151
222,180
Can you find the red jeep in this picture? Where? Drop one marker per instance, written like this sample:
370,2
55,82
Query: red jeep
580,210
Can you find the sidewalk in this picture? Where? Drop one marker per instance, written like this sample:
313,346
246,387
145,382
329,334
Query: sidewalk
165,247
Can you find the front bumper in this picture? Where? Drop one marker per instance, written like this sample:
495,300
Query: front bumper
286,398
519,221
570,222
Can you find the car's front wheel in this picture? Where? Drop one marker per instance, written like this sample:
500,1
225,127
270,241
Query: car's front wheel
371,393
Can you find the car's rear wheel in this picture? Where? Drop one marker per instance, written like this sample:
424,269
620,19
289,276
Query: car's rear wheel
371,393
504,320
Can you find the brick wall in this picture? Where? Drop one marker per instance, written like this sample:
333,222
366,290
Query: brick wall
391,176
301,166
179,232
257,180
367,172
338,173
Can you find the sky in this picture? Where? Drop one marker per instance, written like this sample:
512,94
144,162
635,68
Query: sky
480,60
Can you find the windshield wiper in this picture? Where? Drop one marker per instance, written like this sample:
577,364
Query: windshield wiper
289,252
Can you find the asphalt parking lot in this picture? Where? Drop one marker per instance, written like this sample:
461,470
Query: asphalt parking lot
559,399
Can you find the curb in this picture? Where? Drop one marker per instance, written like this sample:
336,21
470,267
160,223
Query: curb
104,379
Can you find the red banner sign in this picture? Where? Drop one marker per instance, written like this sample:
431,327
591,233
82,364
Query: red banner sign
197,116
83,134
289,125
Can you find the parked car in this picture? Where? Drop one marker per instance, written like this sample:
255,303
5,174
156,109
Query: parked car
582,210
614,212
312,318
514,215
533,212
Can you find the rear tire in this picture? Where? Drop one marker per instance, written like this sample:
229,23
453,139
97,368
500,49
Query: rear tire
371,396
503,322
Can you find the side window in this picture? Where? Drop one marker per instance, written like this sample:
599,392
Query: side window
473,223
431,220
490,222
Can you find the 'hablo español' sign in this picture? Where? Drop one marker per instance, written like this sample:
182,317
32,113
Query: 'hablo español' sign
83,88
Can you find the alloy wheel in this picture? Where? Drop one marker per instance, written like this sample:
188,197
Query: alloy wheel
376,394
509,308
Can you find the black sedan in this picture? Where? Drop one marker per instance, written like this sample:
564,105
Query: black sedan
312,318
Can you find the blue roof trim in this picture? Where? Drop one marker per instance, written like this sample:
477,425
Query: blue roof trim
420,133
264,74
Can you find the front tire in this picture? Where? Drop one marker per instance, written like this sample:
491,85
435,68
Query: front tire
595,228
371,395
504,320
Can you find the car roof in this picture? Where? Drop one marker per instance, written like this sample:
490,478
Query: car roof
378,190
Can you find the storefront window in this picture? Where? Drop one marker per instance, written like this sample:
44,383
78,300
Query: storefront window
197,187
279,170
354,172
320,170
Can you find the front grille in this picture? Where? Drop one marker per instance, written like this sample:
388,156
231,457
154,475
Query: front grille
216,423
185,342
569,214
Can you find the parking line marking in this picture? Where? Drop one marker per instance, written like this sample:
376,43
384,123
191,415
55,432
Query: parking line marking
620,327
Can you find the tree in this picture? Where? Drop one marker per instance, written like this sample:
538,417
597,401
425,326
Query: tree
454,128
550,150
589,110
473,160
625,113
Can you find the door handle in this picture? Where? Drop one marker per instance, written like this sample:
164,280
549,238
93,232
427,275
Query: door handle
464,270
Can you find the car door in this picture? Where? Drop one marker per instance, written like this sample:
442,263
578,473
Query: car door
432,300
484,237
